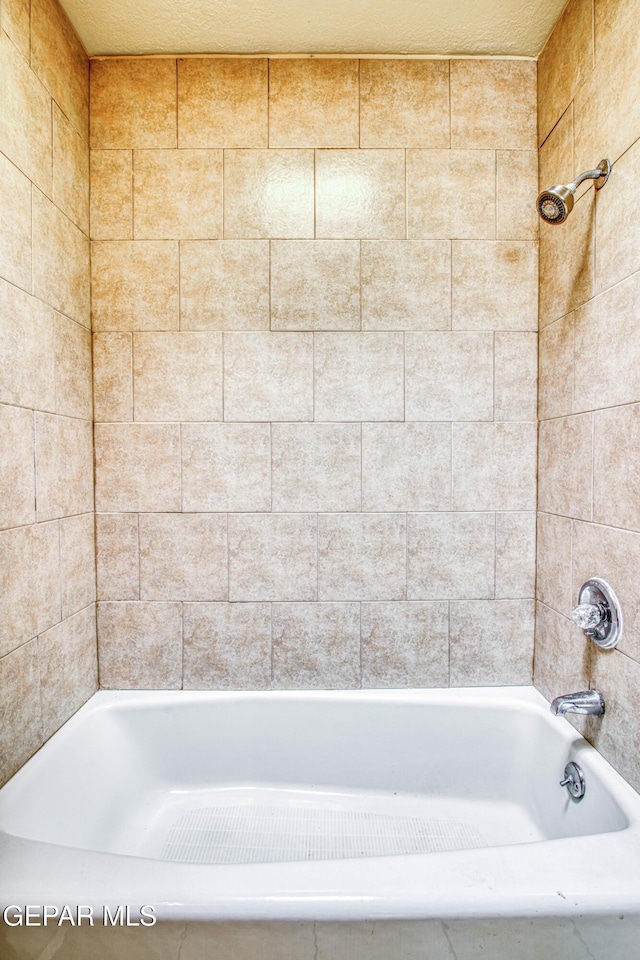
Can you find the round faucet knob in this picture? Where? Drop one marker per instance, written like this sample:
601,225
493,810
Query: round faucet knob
588,615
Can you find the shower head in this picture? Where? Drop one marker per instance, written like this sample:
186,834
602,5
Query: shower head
555,204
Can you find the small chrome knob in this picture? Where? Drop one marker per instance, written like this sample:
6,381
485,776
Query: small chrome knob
589,615
574,780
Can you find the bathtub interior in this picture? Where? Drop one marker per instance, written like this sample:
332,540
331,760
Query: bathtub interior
246,778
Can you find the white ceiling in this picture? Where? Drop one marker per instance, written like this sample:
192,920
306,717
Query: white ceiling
437,27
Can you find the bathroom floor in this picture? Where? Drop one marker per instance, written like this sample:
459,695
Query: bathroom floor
258,824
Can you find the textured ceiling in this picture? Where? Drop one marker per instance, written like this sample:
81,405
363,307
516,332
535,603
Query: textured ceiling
445,27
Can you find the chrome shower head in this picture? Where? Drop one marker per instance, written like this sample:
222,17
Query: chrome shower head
555,204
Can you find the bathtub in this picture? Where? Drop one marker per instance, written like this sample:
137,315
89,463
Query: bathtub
389,825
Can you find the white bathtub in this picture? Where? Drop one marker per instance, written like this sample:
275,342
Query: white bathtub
322,824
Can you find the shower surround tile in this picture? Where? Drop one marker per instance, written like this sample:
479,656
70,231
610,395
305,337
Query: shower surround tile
27,350
273,556
405,644
177,194
15,239
565,63
362,556
406,285
70,171
30,570
493,104
449,376
450,556
494,285
113,376
60,261
68,668
313,103
137,467
227,646
360,194
494,466
17,478
77,563
134,285
21,727
315,284
58,58
183,556
223,103
64,477
316,467
140,646
177,376
491,642
359,376
406,466
73,369
268,376
268,194
117,556
224,285
133,103
316,645
226,467
404,103
112,195
443,200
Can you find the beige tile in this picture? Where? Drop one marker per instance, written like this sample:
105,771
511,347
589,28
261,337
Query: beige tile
140,645
17,478
183,557
58,58
20,711
61,271
567,262
404,103
491,642
607,348
494,285
360,194
227,646
493,104
30,573
268,376
177,194
565,63
14,20
553,585
177,376
613,555
443,198
515,555
616,734
223,103
459,385
362,556
516,372
494,466
224,285
313,103
562,654
137,466
226,467
516,192
406,466
405,644
25,120
316,645
64,466
555,386
111,195
617,226
27,351
133,103
565,466
555,156
607,126
134,285
77,563
616,483
359,376
316,466
273,556
450,556
315,284
112,376
268,193
70,171
117,558
67,657
73,369
15,239
406,285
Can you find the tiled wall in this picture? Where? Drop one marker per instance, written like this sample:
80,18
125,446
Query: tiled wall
47,567
589,481
315,312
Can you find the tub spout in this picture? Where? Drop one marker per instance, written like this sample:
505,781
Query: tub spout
584,701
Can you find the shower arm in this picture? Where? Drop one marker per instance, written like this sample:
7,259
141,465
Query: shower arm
600,173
